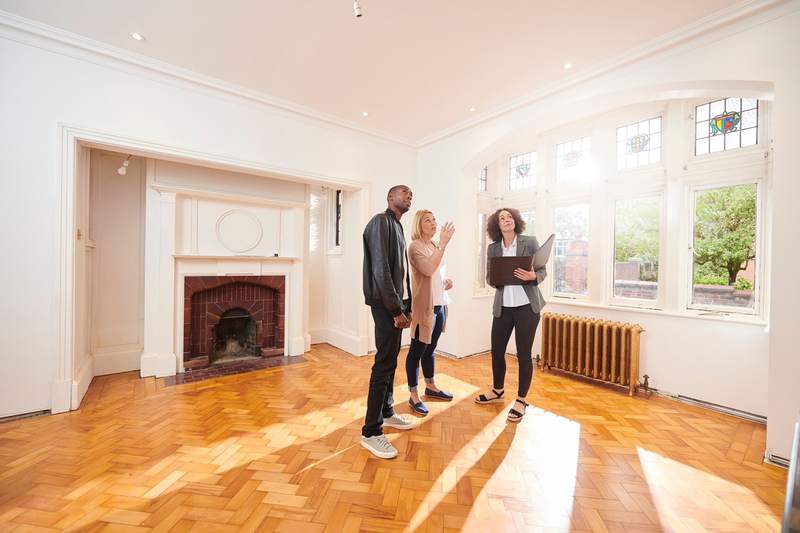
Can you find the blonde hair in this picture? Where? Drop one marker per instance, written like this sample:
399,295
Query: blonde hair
416,229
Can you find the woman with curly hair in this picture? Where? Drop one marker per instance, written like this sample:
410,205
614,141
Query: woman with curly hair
516,308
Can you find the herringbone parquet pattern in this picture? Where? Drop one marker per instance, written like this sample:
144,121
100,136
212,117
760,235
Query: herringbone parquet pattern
278,450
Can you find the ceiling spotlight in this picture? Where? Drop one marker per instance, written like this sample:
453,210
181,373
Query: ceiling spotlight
471,109
567,66
124,168
137,36
357,9
364,114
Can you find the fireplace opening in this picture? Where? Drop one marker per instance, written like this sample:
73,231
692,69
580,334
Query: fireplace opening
232,317
234,336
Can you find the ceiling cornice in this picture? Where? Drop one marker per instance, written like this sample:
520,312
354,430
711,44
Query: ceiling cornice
35,33
32,32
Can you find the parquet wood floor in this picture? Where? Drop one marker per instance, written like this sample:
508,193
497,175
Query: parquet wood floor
278,450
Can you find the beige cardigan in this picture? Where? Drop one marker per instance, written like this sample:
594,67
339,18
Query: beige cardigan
422,271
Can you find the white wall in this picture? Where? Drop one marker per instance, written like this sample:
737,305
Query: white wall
742,366
45,84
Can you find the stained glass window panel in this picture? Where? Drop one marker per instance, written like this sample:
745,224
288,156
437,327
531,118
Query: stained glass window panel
573,160
522,171
725,124
639,144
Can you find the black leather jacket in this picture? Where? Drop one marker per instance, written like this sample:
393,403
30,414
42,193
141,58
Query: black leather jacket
386,281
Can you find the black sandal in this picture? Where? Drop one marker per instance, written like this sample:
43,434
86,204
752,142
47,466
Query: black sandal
516,416
498,398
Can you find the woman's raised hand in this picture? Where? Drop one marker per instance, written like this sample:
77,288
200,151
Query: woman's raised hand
446,233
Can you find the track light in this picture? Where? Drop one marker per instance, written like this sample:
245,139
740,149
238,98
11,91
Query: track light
357,9
124,168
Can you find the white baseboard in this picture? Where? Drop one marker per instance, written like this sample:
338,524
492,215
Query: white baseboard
114,363
297,346
307,342
60,395
158,365
81,384
318,336
348,342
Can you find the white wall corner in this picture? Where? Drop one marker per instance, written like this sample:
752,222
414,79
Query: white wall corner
60,395
81,383
307,346
158,365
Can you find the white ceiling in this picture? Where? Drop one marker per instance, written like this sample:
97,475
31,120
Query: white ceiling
416,66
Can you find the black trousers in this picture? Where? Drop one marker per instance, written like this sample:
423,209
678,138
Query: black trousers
523,321
380,401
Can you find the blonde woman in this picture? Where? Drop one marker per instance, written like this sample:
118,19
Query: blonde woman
428,305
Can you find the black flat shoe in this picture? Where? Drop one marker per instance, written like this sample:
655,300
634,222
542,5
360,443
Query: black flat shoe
438,394
418,407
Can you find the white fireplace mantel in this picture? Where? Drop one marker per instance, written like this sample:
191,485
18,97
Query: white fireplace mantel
192,234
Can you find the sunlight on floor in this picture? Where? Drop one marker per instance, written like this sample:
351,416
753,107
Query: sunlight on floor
704,500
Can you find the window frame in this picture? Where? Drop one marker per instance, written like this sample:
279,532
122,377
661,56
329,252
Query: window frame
658,192
581,200
688,259
483,179
334,207
591,171
535,164
649,166
484,207
714,158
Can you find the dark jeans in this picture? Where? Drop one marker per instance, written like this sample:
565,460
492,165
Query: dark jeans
523,321
379,399
419,351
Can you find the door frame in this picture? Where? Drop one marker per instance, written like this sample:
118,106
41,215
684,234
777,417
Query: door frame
66,393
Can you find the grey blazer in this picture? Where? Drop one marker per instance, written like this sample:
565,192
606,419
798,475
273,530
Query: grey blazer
525,246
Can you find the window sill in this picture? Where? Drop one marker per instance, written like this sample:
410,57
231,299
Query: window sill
689,313
483,294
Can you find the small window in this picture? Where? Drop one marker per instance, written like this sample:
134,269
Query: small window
636,248
483,179
571,260
725,124
522,171
338,222
639,144
573,160
724,247
530,222
480,265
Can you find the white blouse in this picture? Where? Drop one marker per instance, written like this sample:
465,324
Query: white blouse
440,296
513,295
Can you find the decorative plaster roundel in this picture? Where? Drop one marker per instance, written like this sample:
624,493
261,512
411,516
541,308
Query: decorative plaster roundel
239,231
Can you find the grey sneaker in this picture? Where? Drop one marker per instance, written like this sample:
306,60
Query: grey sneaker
379,446
397,422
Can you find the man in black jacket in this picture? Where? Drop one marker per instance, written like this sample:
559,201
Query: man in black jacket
387,290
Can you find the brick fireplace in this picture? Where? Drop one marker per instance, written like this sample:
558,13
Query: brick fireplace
232,317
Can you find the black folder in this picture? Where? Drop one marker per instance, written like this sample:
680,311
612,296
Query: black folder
501,269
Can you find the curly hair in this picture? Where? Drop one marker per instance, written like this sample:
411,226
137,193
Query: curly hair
493,223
